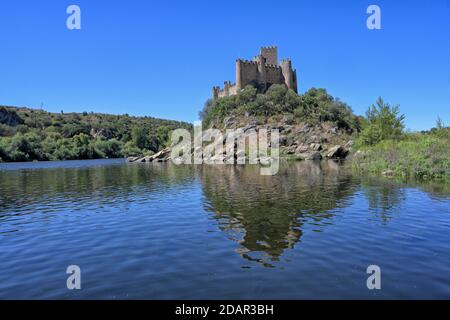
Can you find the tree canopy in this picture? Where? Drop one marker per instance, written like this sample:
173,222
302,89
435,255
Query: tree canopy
29,134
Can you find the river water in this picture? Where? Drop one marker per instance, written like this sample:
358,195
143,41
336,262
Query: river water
160,231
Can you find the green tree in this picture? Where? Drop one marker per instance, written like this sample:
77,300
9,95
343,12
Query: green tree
83,148
130,150
441,130
383,122
162,134
6,130
139,136
64,150
110,148
19,148
3,155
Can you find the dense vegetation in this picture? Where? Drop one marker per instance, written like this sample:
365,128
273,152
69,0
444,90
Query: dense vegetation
28,134
315,106
387,148
384,145
381,137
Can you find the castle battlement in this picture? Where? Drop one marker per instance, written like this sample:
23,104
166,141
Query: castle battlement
269,47
248,61
261,72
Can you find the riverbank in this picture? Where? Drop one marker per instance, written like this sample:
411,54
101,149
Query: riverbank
417,155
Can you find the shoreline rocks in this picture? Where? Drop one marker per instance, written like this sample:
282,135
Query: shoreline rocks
161,156
301,142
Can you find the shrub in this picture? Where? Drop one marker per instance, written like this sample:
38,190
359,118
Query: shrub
6,130
314,106
383,122
109,148
417,155
130,150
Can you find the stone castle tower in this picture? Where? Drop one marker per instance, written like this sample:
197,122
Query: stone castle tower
263,71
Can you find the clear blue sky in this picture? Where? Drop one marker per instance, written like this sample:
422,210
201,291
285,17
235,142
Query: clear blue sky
161,58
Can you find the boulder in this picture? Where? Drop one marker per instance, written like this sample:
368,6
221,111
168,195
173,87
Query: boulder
301,149
163,154
337,152
315,146
313,139
143,159
265,161
249,127
283,140
349,144
333,130
290,149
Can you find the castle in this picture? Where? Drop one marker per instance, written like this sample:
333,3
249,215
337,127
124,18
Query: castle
261,72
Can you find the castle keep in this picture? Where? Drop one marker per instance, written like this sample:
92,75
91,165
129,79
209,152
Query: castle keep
263,71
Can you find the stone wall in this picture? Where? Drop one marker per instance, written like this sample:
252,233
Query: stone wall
271,54
261,73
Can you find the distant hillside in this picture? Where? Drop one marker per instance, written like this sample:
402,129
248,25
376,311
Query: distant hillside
29,134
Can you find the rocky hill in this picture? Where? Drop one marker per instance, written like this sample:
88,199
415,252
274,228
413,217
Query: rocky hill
312,126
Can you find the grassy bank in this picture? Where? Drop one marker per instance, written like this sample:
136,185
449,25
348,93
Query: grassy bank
383,147
417,155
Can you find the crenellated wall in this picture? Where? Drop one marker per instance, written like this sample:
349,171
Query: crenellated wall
271,54
274,74
249,73
229,89
262,72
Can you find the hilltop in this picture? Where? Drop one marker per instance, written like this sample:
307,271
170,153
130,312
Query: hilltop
30,134
312,125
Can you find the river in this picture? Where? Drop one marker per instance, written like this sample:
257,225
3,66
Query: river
161,231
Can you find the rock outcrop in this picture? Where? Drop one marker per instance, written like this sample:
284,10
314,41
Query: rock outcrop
161,156
337,152
300,141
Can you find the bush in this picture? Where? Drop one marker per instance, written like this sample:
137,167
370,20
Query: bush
130,150
83,148
64,150
3,155
109,148
383,122
6,130
440,130
313,107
